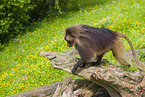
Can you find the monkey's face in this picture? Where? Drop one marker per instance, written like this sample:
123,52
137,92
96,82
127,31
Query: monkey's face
70,41
69,37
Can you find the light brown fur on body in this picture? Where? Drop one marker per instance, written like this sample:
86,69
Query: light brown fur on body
95,42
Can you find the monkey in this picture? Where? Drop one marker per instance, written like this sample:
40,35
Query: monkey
91,42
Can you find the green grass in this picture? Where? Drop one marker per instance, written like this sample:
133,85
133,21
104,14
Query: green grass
21,67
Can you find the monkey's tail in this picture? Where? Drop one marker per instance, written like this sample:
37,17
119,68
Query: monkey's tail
140,64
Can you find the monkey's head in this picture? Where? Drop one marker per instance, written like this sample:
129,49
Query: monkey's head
76,35
70,37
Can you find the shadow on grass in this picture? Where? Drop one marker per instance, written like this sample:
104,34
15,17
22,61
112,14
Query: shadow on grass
80,4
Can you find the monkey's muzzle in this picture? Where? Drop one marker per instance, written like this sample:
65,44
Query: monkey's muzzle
69,45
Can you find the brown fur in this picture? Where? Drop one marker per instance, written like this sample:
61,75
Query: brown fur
93,42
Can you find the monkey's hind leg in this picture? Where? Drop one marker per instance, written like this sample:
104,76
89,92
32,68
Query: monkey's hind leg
118,51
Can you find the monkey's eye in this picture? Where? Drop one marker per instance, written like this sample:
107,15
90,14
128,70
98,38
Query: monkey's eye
70,42
72,36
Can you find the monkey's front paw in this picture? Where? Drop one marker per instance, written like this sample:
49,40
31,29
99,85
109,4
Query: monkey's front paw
73,71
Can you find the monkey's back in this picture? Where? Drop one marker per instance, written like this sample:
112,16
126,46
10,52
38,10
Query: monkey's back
99,38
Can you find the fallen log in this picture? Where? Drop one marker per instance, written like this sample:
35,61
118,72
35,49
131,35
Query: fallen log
115,80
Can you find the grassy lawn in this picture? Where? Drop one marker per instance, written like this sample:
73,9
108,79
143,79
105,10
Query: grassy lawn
21,67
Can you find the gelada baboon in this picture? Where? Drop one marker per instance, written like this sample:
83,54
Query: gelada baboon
92,42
